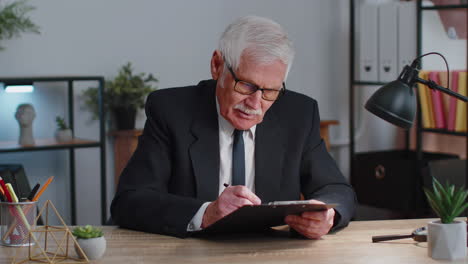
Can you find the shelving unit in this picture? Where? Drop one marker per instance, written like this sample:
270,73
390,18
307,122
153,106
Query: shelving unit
413,184
420,130
52,144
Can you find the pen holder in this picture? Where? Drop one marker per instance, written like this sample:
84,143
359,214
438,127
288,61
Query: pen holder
16,220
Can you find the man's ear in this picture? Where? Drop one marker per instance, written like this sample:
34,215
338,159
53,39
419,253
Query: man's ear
217,64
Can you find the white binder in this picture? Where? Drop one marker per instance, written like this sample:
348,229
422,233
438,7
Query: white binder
367,39
388,40
407,34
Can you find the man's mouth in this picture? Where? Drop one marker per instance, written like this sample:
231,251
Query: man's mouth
244,114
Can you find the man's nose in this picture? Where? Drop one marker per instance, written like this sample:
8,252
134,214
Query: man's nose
254,100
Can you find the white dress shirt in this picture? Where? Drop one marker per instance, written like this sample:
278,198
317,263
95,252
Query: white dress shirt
226,139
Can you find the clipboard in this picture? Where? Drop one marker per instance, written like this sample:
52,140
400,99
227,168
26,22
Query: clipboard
260,217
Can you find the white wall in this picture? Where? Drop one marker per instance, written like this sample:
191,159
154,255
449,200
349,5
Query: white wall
434,38
173,39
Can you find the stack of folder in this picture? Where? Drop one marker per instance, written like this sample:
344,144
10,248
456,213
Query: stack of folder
439,110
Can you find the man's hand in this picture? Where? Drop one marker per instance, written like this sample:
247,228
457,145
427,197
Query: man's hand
312,224
232,198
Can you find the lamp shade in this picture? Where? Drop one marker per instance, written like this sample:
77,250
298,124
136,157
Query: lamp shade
394,102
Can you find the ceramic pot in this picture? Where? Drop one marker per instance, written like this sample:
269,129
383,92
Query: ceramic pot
446,241
94,248
125,117
63,135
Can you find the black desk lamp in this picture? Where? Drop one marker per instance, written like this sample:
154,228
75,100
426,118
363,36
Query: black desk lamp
395,102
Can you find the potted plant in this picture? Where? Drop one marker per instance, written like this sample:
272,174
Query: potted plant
447,237
63,133
13,20
123,96
91,240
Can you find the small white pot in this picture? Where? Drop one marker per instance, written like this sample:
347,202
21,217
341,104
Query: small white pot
446,241
94,248
63,135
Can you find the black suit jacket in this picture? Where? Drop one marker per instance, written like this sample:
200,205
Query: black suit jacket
175,168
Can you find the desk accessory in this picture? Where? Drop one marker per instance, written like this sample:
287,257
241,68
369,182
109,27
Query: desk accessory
50,244
36,197
447,237
418,235
92,241
16,220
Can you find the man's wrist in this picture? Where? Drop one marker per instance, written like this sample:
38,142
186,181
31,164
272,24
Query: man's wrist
196,223
206,221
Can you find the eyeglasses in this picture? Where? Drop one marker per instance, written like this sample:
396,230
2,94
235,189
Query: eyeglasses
247,88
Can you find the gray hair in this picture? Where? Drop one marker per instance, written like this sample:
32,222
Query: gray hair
260,38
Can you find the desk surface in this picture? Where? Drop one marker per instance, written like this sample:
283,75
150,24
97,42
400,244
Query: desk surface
351,245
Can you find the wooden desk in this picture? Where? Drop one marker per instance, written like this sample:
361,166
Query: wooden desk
125,143
351,245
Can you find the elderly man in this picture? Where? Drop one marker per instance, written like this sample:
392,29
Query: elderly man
243,129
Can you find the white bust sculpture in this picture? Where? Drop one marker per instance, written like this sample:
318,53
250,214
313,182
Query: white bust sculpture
25,115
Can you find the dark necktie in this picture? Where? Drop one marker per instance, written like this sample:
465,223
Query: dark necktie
238,159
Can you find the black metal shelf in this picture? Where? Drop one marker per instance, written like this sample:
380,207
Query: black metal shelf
47,144
50,78
50,144
443,131
441,7
416,161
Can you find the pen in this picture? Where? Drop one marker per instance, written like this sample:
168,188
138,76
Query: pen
7,194
226,185
2,197
33,192
44,187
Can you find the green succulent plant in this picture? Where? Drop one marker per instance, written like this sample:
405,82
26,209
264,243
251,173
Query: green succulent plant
87,232
446,200
61,125
13,20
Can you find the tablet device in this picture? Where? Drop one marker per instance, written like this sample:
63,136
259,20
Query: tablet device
259,217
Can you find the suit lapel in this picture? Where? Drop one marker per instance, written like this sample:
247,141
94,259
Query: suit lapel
269,155
204,151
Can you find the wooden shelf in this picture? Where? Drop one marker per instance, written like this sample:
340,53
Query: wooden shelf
47,144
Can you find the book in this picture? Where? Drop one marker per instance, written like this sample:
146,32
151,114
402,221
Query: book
437,102
422,94
452,113
443,81
460,123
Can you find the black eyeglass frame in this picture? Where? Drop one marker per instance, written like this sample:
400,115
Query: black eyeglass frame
281,91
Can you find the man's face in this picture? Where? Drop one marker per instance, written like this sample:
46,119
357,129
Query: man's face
245,111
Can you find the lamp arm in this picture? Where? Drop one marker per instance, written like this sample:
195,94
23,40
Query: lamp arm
431,84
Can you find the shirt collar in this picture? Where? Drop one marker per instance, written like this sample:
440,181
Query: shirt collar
226,127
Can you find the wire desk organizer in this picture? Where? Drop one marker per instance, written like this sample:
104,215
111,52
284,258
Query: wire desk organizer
50,244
